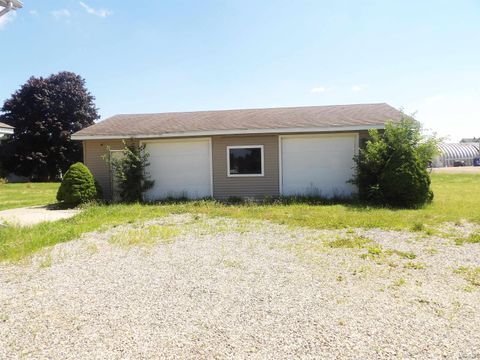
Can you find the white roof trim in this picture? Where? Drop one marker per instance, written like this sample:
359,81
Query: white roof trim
230,132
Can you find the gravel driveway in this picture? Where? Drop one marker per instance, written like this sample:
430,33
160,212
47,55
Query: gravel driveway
33,215
235,289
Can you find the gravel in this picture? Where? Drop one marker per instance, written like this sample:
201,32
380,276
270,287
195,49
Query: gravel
225,288
32,215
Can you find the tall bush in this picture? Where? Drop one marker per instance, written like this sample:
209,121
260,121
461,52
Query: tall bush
130,172
392,167
78,186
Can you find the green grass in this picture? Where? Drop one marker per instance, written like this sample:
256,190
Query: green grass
29,194
349,242
456,198
375,251
17,242
472,239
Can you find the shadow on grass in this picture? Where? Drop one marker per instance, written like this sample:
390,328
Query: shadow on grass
59,206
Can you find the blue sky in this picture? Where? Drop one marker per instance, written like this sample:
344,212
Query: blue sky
178,55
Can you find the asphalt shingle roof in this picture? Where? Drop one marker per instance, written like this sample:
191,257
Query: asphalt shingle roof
136,125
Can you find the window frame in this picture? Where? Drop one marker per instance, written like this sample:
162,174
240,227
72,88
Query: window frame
246,147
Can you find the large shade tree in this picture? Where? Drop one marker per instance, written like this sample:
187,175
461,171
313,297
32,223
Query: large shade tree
45,113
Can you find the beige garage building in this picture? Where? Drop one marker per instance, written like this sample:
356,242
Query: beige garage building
241,153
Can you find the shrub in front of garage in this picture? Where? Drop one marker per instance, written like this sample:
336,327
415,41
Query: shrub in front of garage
392,167
78,186
130,173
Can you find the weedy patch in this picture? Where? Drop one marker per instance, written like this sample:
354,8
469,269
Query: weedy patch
146,235
403,254
46,261
418,226
362,270
354,242
399,282
415,265
375,251
92,248
470,274
472,239
229,263
377,255
383,257
430,232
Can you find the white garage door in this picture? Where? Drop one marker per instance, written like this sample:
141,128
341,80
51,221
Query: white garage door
318,165
180,168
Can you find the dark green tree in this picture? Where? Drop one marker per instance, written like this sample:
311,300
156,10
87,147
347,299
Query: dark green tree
45,113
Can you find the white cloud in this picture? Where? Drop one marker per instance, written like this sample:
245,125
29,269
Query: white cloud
453,116
319,89
103,13
8,18
357,88
33,12
62,13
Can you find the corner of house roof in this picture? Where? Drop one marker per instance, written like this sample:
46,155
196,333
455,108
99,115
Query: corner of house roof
5,126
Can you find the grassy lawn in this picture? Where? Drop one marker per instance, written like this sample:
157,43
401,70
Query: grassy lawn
456,198
20,195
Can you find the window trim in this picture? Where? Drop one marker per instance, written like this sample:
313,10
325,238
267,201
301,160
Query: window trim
246,147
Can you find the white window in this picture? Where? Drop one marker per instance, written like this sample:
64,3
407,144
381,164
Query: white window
245,160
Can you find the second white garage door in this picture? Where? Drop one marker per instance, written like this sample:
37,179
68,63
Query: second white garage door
318,165
180,168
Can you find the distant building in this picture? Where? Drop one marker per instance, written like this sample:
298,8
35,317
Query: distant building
470,140
463,152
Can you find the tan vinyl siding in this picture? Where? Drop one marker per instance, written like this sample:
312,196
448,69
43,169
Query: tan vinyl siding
223,186
93,157
363,135
257,186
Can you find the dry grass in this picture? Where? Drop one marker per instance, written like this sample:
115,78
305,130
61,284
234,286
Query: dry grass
470,274
148,235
